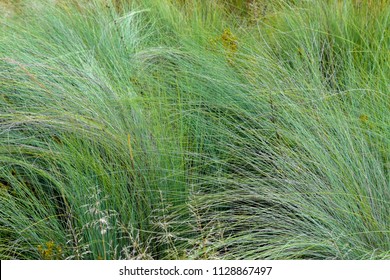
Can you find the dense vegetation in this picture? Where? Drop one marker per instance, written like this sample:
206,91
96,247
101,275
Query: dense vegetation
194,129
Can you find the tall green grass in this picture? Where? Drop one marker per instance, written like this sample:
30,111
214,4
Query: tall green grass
195,129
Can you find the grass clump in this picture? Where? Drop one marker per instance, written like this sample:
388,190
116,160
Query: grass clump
193,130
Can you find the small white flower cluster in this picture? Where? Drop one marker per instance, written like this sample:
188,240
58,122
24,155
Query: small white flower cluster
101,217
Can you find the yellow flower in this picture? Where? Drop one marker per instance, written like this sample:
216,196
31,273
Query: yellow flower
363,118
229,41
51,251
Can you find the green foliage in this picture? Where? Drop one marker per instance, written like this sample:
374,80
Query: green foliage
195,130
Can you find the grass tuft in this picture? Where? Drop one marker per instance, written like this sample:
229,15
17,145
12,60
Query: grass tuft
194,130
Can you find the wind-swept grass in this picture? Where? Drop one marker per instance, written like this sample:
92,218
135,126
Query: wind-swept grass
191,129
